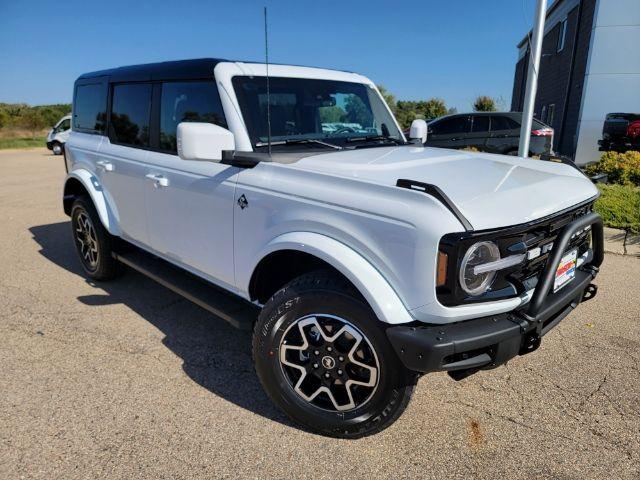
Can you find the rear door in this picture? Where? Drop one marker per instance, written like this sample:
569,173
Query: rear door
504,134
123,155
449,132
479,132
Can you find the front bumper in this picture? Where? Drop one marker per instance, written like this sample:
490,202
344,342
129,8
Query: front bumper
491,341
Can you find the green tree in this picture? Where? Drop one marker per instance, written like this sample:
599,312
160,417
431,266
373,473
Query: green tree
408,110
484,103
433,108
33,120
4,118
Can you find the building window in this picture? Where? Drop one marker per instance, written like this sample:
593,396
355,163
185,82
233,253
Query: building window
562,33
551,110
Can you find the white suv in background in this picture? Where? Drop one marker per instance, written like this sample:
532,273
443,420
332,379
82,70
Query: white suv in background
58,135
296,208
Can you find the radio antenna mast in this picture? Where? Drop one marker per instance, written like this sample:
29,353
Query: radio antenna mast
266,62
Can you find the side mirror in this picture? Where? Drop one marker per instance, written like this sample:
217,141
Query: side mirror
203,141
418,130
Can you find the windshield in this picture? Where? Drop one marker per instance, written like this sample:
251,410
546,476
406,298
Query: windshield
309,110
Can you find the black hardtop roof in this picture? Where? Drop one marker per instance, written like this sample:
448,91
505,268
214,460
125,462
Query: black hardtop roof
178,69
198,68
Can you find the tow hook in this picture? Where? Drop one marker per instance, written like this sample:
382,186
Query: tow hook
530,343
589,292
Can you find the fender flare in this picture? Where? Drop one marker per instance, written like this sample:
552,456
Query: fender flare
382,298
90,182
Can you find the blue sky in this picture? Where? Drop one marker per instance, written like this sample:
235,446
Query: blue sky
454,49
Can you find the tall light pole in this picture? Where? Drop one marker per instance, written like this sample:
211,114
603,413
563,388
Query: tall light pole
532,78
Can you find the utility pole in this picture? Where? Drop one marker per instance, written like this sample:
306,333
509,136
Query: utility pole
532,78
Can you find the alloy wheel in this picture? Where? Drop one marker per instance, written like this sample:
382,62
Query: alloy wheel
87,240
329,362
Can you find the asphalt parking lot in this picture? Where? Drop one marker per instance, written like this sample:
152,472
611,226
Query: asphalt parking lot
128,380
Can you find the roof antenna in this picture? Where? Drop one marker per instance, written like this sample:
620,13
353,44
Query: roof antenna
266,62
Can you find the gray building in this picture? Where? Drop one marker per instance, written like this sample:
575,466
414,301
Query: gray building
590,66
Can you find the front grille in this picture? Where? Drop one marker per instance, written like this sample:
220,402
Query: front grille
542,236
512,240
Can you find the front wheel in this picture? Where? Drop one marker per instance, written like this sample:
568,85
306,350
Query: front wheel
323,358
57,148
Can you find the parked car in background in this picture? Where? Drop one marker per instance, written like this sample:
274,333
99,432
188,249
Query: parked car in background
493,132
620,132
59,134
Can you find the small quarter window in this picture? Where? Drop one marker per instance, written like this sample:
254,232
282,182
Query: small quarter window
130,111
89,108
187,102
551,111
562,34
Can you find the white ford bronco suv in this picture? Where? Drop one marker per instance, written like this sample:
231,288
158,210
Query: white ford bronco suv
291,204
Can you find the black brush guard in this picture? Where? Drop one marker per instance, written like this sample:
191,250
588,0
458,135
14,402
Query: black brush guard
463,348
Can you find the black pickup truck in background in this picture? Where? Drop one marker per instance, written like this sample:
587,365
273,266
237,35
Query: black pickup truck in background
620,132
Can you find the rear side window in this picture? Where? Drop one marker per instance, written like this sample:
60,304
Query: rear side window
499,122
450,126
89,108
480,124
130,111
187,102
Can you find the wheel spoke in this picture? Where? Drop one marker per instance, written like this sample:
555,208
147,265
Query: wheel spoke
327,375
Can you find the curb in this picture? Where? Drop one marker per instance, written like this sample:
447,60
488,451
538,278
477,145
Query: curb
621,242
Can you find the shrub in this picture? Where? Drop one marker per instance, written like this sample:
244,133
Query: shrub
619,206
621,168
484,103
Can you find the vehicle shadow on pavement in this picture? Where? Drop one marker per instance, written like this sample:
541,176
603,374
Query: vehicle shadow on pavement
215,355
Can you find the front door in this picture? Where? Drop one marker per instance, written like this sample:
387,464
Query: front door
190,204
449,132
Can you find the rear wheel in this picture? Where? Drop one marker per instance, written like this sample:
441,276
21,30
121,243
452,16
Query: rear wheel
94,244
57,148
324,359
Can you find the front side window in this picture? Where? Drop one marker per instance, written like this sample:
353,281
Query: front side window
89,106
499,122
451,126
312,110
187,102
130,111
63,126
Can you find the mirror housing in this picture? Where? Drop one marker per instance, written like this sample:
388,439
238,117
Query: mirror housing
418,130
203,141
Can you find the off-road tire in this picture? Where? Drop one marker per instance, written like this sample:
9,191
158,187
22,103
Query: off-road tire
318,293
105,266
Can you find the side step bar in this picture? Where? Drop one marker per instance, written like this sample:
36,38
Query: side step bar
238,312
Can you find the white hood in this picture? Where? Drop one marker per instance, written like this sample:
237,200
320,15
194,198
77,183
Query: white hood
489,190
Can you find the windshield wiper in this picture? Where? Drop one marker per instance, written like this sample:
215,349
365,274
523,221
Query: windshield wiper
294,141
369,138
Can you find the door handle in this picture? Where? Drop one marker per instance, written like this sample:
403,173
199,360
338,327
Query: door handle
158,180
104,165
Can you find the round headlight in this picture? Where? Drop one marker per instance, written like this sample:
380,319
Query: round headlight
478,254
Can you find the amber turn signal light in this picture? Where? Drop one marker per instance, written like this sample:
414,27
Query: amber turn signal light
441,275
